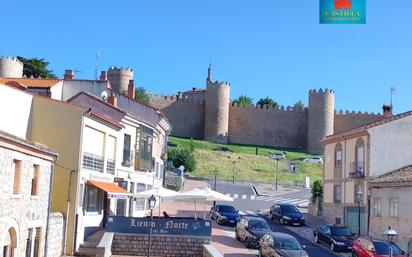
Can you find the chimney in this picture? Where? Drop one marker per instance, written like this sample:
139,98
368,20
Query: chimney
112,100
131,89
68,74
387,111
103,75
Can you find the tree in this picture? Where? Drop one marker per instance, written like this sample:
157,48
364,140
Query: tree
36,68
299,106
141,95
244,100
317,189
183,157
267,101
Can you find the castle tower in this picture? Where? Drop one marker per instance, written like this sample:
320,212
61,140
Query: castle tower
321,113
216,110
119,79
10,67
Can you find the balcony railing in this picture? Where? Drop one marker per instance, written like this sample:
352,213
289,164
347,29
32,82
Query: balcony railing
110,166
357,170
93,162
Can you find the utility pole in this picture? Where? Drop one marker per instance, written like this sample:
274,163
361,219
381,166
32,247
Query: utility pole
233,167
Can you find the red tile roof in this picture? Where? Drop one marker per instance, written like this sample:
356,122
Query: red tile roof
399,176
30,83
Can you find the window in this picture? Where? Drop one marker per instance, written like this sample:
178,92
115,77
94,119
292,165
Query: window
139,202
377,207
17,175
145,148
338,156
393,207
126,150
358,187
92,199
337,194
359,157
35,180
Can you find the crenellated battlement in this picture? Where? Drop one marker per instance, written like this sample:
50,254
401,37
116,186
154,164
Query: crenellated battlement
10,67
270,108
321,91
120,69
346,112
11,59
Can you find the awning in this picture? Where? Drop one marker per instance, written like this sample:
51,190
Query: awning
112,190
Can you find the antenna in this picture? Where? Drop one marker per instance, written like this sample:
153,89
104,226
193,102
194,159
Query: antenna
392,89
97,66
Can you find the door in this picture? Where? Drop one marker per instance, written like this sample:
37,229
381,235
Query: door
106,209
277,212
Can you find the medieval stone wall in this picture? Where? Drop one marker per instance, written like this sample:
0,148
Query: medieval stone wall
268,126
348,120
187,116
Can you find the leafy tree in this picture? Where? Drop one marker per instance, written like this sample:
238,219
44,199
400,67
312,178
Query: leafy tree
244,100
267,101
183,157
317,189
299,105
36,67
141,95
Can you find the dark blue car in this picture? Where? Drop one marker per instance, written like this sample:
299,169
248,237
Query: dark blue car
338,237
224,214
287,214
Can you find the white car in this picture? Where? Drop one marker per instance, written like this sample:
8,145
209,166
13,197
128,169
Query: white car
277,156
313,159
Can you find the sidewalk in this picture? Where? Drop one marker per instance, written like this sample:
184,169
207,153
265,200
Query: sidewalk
222,240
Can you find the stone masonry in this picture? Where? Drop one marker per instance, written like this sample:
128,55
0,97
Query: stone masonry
162,246
55,235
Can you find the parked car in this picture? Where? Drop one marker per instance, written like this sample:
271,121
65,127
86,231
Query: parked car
339,238
368,247
313,159
278,156
223,149
287,213
280,244
224,214
250,229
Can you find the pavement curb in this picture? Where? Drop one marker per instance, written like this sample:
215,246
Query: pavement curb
256,191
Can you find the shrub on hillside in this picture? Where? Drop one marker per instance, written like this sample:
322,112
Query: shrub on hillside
317,189
182,157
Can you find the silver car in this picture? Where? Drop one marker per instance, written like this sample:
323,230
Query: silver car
275,244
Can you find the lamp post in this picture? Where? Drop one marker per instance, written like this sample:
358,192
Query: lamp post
152,204
233,167
390,234
359,196
276,157
215,172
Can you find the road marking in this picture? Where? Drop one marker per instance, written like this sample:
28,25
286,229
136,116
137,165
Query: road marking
235,196
244,196
280,199
252,197
295,201
228,194
242,213
263,197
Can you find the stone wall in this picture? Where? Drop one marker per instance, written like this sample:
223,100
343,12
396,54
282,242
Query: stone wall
55,235
187,116
170,246
332,211
10,67
268,126
348,120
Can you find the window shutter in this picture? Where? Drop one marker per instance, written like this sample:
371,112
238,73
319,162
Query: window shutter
35,180
17,175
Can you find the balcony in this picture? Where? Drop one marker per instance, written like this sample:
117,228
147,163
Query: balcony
110,166
93,162
357,170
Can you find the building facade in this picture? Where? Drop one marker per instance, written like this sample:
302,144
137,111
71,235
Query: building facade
25,177
351,158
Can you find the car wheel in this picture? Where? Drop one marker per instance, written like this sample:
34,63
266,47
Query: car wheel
354,254
218,221
281,221
316,239
332,247
247,243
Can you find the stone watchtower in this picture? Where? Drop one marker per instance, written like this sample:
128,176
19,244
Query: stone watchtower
119,79
10,67
321,113
216,110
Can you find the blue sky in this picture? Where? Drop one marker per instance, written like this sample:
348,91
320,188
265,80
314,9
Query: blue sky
263,48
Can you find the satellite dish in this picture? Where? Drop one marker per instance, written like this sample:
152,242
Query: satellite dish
103,96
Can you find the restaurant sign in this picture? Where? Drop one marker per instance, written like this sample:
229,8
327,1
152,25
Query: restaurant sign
342,11
164,226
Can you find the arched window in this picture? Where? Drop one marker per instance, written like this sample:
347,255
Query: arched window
10,244
338,155
360,158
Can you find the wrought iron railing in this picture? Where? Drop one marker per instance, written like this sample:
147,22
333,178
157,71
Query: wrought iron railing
357,170
93,162
110,166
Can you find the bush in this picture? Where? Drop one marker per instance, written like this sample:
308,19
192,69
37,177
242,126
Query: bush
182,157
317,189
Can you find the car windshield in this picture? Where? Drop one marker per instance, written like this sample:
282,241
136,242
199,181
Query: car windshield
336,231
383,248
258,225
227,209
287,244
289,209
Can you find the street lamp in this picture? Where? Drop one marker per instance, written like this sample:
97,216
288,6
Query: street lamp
215,172
152,204
233,167
359,196
391,235
276,157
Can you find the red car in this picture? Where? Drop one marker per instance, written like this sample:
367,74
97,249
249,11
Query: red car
368,247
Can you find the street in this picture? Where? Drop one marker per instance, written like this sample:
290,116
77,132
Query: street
254,205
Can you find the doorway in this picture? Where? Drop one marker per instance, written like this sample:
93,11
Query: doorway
10,244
